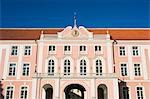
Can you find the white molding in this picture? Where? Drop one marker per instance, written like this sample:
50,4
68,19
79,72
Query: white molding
136,81
34,86
40,57
116,89
20,50
17,80
109,58
5,72
144,65
131,69
1,49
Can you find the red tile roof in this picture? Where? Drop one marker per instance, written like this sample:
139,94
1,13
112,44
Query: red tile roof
34,34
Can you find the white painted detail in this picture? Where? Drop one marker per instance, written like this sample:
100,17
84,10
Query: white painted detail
131,72
19,66
34,82
144,63
40,56
109,57
5,72
116,89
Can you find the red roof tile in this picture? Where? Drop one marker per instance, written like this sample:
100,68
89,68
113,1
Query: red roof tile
34,34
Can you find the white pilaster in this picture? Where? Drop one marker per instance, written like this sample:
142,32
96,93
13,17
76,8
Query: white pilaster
34,82
57,89
130,63
144,63
19,66
116,89
93,90
5,72
0,54
109,57
40,56
43,93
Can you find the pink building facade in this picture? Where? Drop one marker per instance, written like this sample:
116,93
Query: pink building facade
75,63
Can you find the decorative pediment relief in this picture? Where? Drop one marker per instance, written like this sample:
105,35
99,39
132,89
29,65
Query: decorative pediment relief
79,33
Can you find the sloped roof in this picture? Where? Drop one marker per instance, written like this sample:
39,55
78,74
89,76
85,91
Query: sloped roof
34,33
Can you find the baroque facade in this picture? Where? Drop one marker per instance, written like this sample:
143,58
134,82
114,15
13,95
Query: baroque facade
75,63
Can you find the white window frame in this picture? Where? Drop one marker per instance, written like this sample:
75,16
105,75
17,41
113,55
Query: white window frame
67,51
28,50
100,51
13,69
51,67
99,67
67,67
83,67
12,92
26,69
137,72
15,51
123,70
136,51
142,91
52,51
122,51
83,51
24,91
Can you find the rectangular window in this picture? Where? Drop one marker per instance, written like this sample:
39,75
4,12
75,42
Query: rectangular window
67,48
27,50
25,71
135,51
23,93
122,51
140,93
51,48
12,69
125,92
82,48
9,92
124,69
97,48
14,50
137,69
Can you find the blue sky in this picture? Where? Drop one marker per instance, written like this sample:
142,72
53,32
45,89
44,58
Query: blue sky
90,13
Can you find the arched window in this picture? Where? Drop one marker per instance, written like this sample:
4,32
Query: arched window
98,67
67,67
83,67
51,64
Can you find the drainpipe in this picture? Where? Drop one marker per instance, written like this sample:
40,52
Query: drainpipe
114,42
